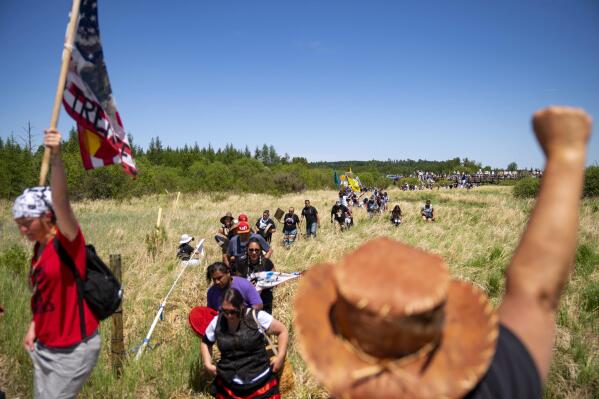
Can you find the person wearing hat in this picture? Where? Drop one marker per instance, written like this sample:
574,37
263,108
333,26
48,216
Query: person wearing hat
225,232
236,249
388,321
63,349
185,250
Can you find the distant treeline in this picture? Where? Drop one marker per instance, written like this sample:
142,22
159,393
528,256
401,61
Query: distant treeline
408,166
195,168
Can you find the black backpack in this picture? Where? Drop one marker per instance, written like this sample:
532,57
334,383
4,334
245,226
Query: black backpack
101,290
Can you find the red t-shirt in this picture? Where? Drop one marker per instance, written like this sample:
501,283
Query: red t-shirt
54,303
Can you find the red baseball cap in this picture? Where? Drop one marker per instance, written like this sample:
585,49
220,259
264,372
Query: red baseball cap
243,227
242,217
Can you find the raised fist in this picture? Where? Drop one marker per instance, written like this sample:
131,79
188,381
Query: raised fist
562,131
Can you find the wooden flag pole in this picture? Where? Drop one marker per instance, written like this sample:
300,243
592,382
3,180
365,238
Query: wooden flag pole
66,57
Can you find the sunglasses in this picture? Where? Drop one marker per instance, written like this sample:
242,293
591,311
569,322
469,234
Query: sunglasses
253,249
230,312
25,222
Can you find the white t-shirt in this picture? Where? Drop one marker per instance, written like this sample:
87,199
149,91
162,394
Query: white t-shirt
264,319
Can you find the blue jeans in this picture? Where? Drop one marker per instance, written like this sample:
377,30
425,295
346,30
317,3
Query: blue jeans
311,229
289,237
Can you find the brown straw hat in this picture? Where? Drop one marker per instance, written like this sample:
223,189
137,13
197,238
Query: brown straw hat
228,215
389,322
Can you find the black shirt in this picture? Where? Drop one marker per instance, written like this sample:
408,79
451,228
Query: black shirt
309,212
291,221
185,251
512,373
335,210
245,267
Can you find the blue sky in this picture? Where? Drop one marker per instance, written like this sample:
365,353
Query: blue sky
328,80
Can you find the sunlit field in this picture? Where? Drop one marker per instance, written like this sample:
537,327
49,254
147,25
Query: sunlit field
476,232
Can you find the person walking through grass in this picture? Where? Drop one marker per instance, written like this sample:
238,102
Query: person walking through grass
255,262
63,348
410,330
266,226
310,215
290,222
244,369
220,276
236,250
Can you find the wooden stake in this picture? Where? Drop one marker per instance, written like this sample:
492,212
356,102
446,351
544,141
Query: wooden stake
117,346
64,67
159,218
176,201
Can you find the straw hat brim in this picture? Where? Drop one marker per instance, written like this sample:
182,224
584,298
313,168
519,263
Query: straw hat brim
452,370
222,220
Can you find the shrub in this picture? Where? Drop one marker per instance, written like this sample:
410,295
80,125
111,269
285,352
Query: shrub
287,182
443,183
527,188
590,297
591,182
15,260
586,260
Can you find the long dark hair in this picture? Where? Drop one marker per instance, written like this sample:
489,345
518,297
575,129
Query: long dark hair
234,297
216,267
247,249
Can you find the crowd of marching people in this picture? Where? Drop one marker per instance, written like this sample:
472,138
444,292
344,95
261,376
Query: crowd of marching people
441,337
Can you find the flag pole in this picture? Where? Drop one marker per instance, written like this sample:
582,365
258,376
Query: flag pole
160,311
66,56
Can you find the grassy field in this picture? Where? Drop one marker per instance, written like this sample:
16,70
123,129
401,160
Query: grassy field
476,233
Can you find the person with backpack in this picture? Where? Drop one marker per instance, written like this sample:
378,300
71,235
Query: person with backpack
62,339
244,369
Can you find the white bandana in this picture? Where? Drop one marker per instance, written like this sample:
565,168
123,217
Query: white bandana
33,203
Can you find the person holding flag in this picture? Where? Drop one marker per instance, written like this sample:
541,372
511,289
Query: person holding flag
63,348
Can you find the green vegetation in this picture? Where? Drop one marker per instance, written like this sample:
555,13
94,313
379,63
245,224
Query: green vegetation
526,188
591,182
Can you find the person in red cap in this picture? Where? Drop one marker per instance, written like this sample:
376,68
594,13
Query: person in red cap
236,250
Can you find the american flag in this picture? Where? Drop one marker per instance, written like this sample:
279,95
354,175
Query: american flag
89,101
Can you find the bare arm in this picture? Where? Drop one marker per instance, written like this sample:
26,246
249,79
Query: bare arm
268,253
207,357
277,328
65,218
543,260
